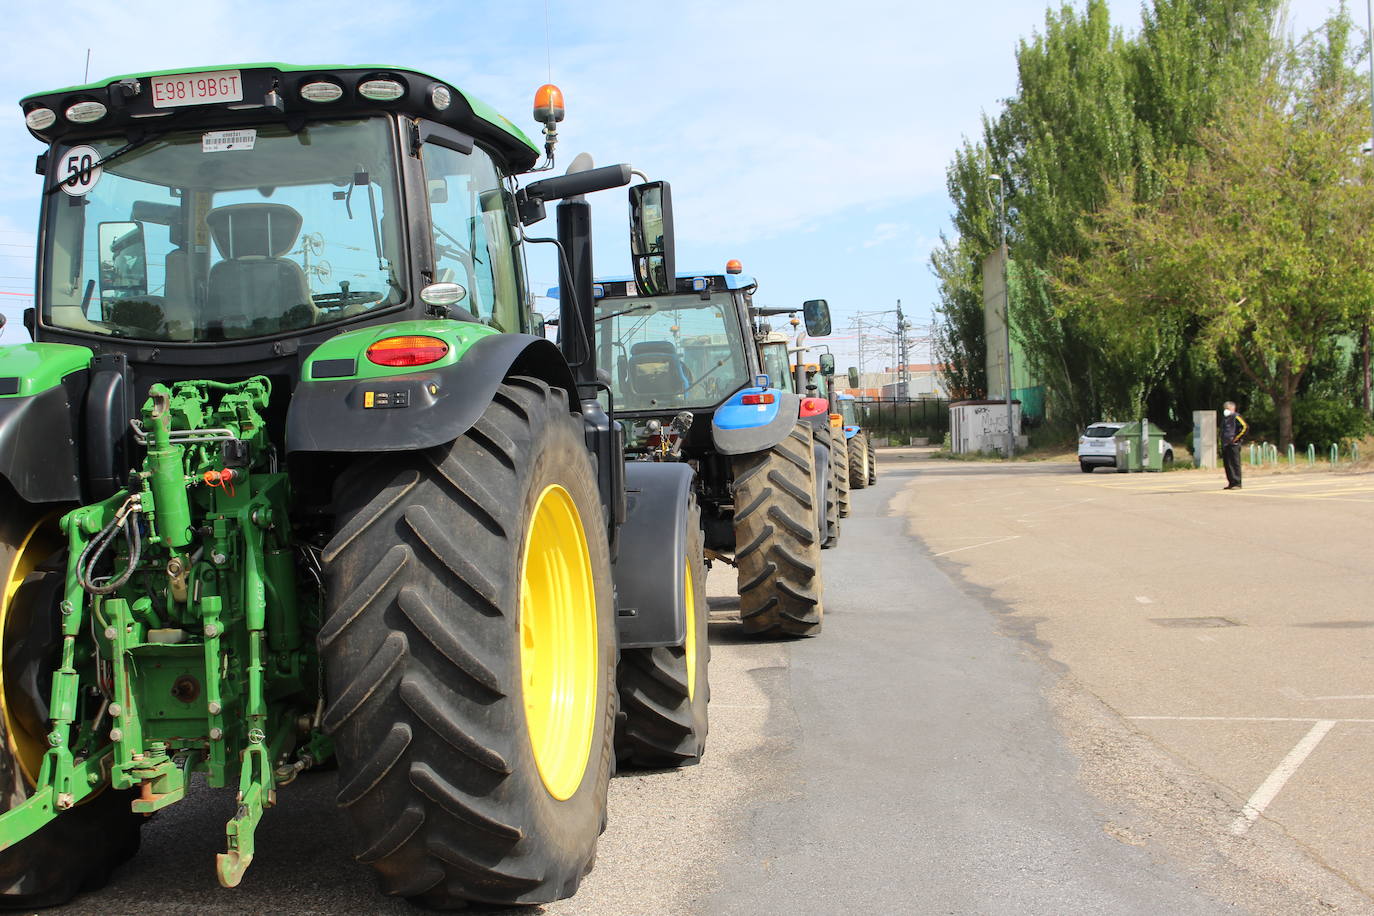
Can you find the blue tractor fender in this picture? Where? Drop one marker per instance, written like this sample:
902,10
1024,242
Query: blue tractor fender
851,431
738,428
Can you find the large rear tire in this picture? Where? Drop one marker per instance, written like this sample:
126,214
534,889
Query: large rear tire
827,494
77,850
777,540
470,657
664,691
858,461
840,468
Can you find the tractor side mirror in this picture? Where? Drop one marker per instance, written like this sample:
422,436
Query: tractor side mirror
827,364
539,325
651,238
123,260
853,376
817,315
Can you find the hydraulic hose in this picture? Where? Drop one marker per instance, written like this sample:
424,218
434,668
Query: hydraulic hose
127,522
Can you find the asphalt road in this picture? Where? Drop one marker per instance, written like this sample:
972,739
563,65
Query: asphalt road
1230,633
919,756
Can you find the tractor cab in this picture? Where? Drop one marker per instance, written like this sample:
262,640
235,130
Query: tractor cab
687,350
847,411
242,213
775,360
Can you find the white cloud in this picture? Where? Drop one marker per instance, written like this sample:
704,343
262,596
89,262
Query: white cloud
884,233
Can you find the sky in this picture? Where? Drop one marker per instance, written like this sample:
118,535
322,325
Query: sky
809,140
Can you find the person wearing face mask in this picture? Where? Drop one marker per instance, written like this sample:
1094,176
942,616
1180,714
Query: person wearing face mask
1233,429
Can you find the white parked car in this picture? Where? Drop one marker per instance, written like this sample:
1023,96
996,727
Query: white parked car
1097,448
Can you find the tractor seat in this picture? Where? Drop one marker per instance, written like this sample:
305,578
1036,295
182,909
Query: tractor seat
657,371
256,285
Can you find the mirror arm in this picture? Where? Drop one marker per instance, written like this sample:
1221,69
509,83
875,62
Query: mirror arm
562,187
440,135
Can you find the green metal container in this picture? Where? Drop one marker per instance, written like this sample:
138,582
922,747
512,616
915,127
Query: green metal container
1139,447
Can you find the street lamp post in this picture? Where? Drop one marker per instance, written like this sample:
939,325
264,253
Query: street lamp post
1369,13
1006,302
1364,342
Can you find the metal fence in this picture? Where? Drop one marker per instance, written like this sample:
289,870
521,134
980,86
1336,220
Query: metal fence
902,419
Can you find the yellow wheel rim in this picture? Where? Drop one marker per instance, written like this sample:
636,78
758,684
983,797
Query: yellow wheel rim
689,592
26,739
558,642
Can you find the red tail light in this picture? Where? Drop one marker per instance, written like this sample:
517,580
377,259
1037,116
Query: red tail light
811,407
407,351
758,399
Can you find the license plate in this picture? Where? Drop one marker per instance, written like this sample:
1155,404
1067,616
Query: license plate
197,88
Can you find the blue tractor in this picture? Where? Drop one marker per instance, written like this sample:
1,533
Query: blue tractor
863,469
685,379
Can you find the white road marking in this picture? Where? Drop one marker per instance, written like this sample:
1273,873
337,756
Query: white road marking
1247,719
1294,694
1144,600
1011,537
962,537
1056,507
1277,779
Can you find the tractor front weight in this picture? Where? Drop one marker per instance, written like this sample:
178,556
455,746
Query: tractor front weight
185,615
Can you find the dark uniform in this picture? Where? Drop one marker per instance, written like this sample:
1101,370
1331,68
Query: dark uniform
1232,432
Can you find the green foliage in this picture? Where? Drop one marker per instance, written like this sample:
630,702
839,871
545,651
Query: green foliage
1102,120
1316,421
1260,243
958,342
1330,421
1190,56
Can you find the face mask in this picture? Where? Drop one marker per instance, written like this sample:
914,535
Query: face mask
1228,412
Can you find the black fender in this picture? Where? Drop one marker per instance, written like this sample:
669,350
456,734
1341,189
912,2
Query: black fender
650,570
38,442
435,406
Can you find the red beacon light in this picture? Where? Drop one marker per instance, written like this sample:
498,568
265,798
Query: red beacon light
733,266
548,104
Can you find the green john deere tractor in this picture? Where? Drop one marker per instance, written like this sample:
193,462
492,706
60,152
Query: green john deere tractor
289,476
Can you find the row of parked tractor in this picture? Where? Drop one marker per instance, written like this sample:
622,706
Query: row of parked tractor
699,376
291,475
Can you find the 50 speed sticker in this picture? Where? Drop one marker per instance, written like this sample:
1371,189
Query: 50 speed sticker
78,170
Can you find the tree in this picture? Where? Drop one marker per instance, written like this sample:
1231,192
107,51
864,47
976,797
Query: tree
959,343
1261,240
1068,134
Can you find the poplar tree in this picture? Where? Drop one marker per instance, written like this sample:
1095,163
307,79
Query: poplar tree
1261,240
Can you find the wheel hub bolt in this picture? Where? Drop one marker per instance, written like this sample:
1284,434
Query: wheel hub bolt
214,708
116,734
116,710
216,734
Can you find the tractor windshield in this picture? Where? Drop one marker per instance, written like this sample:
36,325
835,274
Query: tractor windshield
773,356
206,235
671,351
847,411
